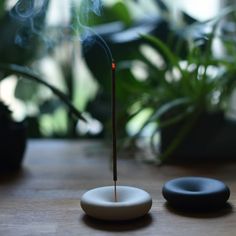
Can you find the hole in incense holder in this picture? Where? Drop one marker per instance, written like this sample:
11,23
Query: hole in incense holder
131,203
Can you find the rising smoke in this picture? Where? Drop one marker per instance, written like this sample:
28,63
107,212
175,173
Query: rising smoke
30,16
88,36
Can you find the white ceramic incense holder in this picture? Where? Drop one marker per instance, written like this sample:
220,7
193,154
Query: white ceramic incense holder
131,203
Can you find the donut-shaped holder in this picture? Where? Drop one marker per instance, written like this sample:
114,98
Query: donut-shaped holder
196,193
132,203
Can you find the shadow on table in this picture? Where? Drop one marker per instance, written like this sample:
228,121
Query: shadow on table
213,213
118,226
8,178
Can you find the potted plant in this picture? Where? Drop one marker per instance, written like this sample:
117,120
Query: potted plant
12,140
13,134
187,98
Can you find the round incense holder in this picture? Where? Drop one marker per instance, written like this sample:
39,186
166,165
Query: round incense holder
131,203
196,193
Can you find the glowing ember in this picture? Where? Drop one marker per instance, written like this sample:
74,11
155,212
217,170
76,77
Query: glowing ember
113,65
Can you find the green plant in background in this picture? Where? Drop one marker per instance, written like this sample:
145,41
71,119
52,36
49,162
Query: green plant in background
43,41
20,41
14,134
181,90
160,75
121,33
27,40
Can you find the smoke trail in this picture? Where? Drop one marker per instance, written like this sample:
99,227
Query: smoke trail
88,6
96,7
88,35
88,39
23,10
29,18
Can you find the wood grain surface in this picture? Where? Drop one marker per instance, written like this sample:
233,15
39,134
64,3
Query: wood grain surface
44,197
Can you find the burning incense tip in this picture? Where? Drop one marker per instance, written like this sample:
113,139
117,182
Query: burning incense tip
113,65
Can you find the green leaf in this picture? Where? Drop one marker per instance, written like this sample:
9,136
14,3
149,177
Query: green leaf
28,74
169,106
164,50
179,137
121,12
23,92
175,119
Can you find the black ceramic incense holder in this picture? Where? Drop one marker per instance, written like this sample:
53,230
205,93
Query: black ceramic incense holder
196,193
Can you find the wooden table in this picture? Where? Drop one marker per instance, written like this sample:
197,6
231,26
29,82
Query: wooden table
44,198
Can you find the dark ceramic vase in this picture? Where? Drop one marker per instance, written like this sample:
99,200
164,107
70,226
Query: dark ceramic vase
212,137
12,145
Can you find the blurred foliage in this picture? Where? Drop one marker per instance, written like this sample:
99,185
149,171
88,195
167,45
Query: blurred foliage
29,75
185,92
168,73
19,41
122,36
25,39
111,13
145,64
22,43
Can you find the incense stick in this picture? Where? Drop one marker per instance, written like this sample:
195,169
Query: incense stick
114,152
